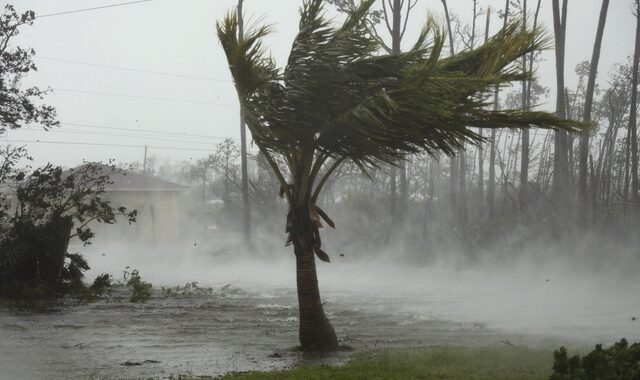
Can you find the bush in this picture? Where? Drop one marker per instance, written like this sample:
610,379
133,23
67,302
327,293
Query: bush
190,289
141,290
620,361
49,208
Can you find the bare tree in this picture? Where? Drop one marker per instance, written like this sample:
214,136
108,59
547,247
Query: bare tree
586,116
396,29
560,164
524,158
634,110
491,185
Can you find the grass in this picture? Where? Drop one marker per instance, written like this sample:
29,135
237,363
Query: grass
494,363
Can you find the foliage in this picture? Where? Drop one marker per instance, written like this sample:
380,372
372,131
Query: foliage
189,289
18,106
436,363
340,99
48,207
220,171
619,361
102,285
141,290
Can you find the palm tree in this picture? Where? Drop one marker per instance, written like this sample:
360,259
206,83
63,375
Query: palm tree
339,98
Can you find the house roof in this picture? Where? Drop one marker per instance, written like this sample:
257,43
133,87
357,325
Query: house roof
125,180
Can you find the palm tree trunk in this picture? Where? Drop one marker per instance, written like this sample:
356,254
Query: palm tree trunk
316,332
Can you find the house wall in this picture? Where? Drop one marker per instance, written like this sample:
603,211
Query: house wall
160,217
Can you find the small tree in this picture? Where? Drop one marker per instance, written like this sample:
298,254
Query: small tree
339,99
51,207
18,106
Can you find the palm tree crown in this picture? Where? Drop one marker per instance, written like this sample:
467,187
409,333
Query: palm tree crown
339,98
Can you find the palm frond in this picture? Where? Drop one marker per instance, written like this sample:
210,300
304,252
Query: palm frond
339,95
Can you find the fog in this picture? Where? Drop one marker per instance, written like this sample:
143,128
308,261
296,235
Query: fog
520,237
584,293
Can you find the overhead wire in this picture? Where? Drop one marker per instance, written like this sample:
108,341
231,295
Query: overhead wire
125,95
147,131
80,132
105,144
113,67
144,97
91,9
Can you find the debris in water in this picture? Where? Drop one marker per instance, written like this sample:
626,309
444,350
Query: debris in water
79,346
130,363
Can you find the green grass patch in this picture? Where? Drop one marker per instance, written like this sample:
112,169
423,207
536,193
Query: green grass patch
491,363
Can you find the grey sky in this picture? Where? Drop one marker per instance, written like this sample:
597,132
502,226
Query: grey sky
178,37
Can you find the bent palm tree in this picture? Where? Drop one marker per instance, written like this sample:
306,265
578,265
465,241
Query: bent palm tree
338,99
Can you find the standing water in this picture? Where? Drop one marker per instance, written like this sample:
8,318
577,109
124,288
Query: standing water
249,320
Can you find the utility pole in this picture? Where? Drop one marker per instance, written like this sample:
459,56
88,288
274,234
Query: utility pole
144,162
204,183
246,213
480,144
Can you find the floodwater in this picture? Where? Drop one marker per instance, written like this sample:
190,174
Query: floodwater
249,321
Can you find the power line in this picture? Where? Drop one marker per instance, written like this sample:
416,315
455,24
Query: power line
80,132
133,70
92,9
105,144
148,131
145,97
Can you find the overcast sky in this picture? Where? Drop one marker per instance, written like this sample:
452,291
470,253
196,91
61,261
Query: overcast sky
109,69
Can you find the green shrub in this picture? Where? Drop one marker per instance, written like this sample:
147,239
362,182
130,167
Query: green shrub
141,290
48,208
619,361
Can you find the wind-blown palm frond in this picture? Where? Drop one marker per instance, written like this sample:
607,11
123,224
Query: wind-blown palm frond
339,98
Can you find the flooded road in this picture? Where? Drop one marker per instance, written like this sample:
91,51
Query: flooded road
249,322
231,330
